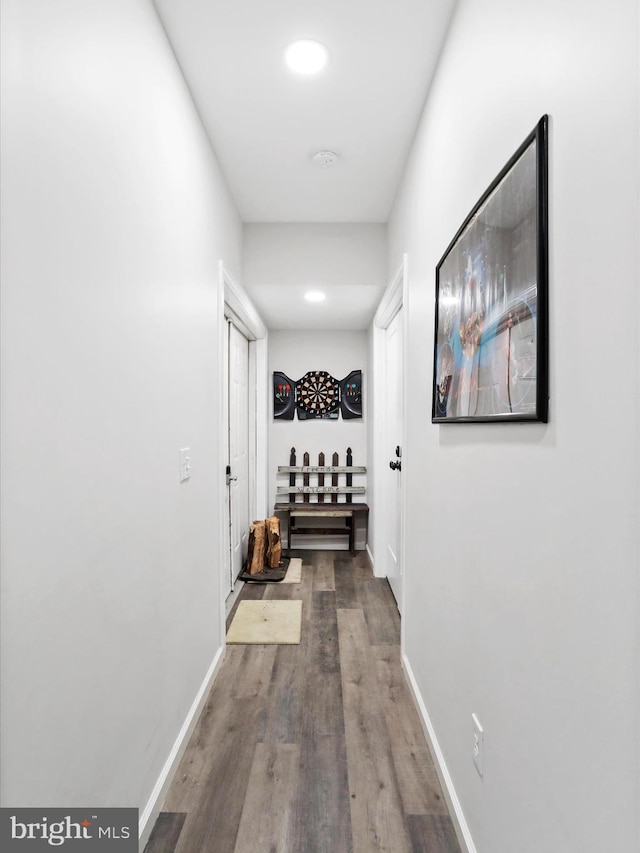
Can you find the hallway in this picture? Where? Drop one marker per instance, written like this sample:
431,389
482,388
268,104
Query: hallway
146,199
315,747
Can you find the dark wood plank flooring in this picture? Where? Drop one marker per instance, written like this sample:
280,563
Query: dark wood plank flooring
315,748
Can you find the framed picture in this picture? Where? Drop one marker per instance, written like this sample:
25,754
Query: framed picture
491,327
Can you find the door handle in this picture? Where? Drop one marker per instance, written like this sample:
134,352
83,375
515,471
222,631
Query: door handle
395,466
230,478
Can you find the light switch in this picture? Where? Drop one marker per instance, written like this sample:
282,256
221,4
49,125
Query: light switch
185,463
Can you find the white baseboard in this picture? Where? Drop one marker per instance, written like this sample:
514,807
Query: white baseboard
154,805
455,809
372,562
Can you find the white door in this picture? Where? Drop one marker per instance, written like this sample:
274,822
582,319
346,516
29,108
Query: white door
238,458
394,408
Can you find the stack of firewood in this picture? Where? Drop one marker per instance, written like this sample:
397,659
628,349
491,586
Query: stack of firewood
265,547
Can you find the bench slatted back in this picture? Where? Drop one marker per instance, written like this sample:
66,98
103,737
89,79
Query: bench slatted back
321,477
297,493
305,477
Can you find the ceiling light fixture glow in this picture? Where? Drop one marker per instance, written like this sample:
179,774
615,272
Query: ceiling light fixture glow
306,56
314,296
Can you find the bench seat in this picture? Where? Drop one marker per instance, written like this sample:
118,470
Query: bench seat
348,511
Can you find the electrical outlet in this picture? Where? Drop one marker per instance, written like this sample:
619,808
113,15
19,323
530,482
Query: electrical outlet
185,463
478,745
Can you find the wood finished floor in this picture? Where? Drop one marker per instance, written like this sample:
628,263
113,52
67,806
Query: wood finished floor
314,748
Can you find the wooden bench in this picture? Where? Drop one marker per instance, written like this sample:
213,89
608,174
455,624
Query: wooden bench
316,497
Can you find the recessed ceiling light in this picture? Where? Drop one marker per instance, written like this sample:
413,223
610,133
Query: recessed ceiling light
306,56
314,296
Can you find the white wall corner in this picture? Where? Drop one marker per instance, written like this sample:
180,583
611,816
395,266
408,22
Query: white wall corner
393,297
156,800
240,307
455,808
372,562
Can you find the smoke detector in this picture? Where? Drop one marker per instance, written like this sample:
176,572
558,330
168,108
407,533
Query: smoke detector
325,159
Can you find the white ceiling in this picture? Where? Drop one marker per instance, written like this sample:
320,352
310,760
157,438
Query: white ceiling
265,123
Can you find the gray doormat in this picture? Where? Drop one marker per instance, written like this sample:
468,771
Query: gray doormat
267,575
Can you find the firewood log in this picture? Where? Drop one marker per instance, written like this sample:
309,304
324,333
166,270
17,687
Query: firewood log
257,547
274,546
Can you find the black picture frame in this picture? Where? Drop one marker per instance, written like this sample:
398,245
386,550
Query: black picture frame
491,339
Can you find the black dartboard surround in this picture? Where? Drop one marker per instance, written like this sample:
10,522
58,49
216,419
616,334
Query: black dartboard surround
318,393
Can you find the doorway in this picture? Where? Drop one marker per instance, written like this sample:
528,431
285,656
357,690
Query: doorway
388,434
237,468
236,309
394,403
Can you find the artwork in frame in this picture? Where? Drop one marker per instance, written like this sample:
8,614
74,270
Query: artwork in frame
491,326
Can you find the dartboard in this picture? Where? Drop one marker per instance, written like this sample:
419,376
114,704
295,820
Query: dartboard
318,393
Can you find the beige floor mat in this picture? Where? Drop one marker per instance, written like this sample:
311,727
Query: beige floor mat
294,572
266,622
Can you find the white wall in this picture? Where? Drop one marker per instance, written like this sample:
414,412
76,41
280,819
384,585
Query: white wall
295,353
114,216
522,557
